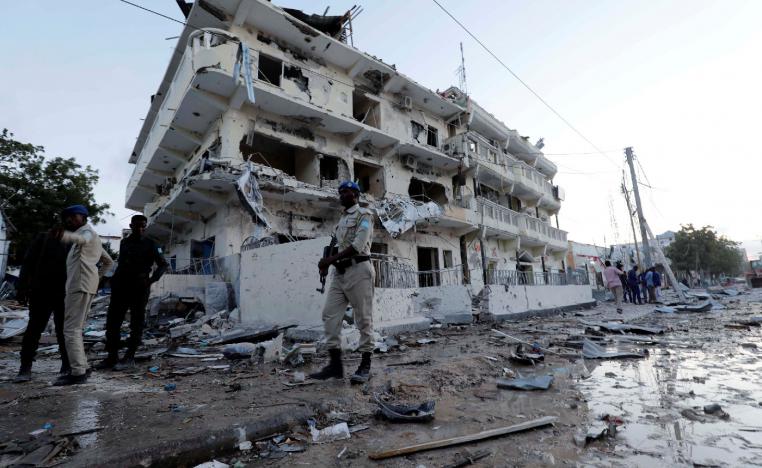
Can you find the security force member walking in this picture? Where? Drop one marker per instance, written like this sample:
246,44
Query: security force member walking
130,286
352,283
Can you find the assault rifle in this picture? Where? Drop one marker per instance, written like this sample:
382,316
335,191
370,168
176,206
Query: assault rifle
328,250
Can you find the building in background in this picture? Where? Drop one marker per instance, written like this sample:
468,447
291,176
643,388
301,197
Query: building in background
263,111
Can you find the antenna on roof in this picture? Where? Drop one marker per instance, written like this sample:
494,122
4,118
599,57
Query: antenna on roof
462,72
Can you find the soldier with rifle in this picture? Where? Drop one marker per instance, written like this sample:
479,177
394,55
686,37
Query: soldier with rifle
352,283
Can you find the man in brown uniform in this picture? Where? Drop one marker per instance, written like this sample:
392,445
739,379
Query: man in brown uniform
352,283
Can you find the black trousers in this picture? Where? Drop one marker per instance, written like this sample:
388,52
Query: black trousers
40,308
636,298
124,298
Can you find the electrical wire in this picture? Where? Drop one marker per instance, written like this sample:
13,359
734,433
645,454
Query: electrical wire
529,88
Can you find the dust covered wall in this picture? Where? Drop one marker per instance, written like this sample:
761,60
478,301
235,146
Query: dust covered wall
278,283
406,246
397,121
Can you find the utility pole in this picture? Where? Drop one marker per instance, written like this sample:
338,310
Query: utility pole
639,206
629,215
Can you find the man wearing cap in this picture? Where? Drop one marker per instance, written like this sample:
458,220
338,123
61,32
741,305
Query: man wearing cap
130,286
353,282
82,278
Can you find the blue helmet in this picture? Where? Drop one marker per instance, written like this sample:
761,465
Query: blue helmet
350,185
75,209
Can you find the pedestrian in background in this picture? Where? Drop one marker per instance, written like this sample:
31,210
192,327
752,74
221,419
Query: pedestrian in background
611,275
657,284
82,278
634,282
626,293
650,285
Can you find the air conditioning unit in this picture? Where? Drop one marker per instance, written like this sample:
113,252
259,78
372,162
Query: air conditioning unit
407,103
409,161
559,193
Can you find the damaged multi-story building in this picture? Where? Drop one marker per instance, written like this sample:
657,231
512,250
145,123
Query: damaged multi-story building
264,110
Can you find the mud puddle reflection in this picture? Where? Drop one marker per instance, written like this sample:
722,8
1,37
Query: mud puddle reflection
661,399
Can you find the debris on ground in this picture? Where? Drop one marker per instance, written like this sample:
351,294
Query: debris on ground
338,431
531,358
422,412
615,327
441,443
526,383
468,458
591,350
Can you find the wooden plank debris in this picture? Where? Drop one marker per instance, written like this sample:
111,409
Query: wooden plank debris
442,443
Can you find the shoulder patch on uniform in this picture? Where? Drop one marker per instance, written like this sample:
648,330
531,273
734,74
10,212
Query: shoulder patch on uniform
365,224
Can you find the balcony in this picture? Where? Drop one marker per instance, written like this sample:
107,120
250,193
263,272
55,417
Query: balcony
501,222
535,232
530,184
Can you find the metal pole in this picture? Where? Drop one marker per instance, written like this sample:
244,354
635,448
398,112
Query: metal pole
632,223
639,206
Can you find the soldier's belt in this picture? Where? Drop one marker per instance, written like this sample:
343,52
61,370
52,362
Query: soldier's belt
342,265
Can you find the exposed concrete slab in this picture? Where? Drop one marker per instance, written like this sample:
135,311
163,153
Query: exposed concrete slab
408,325
182,286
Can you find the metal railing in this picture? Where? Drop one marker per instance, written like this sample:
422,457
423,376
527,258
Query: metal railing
529,278
394,274
195,266
444,277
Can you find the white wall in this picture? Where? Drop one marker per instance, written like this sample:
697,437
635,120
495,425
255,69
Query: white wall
519,299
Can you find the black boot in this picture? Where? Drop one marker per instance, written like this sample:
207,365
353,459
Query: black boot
334,369
127,362
107,364
24,375
362,374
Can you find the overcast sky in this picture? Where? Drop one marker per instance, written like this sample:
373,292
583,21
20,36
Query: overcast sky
679,81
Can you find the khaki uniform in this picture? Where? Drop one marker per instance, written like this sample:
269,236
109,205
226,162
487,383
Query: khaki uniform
355,285
82,280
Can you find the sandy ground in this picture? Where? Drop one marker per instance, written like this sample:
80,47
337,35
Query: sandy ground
696,362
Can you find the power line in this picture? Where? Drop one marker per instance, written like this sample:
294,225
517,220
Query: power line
155,12
540,98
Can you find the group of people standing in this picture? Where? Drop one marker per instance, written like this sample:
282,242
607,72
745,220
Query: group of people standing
632,286
61,274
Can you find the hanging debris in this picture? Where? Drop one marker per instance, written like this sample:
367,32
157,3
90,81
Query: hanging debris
398,214
250,196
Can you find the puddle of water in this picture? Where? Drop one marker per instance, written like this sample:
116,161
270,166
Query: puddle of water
649,394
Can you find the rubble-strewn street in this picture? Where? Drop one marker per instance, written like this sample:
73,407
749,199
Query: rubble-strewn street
180,408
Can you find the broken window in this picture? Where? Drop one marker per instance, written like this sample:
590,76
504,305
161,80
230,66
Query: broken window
432,137
492,156
269,152
269,69
370,178
332,171
427,191
428,264
489,193
447,257
417,129
366,110
473,147
294,73
452,129
379,248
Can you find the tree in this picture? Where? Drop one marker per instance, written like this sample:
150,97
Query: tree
110,250
704,251
34,190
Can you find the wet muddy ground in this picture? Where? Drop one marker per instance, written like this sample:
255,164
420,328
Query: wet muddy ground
659,399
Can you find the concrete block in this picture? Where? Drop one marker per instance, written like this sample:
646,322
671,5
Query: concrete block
408,325
458,319
304,334
350,339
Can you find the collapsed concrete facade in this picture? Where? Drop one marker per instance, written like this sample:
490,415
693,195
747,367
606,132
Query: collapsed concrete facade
263,111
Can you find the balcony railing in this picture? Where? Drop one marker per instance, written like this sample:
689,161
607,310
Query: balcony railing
394,274
529,278
498,212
